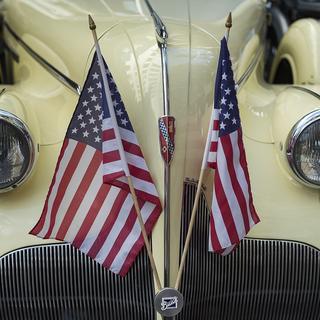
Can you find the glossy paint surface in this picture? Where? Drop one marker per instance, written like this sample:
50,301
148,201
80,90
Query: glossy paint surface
58,31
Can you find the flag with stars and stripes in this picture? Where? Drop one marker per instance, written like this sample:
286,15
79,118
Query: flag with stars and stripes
232,211
84,206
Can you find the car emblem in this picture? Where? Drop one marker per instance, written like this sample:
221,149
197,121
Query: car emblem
168,302
166,137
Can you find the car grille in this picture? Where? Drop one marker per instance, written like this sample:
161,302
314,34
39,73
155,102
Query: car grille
262,279
58,282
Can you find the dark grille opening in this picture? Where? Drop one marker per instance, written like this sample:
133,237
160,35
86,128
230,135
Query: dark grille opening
261,280
59,282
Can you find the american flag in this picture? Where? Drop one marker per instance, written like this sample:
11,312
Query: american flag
99,218
232,211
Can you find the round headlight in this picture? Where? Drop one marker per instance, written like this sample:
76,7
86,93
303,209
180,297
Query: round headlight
17,151
303,149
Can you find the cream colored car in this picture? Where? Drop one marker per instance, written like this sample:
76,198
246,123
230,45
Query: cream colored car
45,55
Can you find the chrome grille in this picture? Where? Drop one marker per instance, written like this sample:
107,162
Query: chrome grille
59,282
262,279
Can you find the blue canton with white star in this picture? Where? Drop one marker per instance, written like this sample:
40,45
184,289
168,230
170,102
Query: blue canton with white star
119,109
86,123
225,94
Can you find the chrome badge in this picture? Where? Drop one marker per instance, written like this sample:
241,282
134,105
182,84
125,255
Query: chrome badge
168,302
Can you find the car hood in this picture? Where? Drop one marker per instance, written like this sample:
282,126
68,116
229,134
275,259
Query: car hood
58,31
62,25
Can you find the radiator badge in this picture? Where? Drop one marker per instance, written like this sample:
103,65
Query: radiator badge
166,137
168,302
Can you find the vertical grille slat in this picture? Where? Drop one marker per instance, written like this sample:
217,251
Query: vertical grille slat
261,280
59,282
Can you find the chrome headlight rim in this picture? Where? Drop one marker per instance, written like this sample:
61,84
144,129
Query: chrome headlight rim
16,122
292,139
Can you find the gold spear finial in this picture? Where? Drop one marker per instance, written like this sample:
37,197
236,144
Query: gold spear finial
228,26
92,25
229,21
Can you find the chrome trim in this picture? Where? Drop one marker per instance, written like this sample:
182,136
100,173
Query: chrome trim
23,128
162,36
45,64
160,27
56,281
293,136
245,76
306,90
262,279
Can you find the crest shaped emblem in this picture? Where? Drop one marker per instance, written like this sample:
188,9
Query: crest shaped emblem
166,137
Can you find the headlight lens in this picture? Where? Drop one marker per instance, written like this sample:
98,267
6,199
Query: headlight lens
16,151
303,149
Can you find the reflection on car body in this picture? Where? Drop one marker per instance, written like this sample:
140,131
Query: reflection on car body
45,55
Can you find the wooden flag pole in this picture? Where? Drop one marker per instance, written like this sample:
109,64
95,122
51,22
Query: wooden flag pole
92,27
195,205
203,167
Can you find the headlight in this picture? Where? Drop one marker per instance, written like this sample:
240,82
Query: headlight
303,149
17,151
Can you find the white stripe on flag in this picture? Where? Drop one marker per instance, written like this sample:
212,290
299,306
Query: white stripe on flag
112,167
212,157
131,239
228,250
241,176
109,145
128,136
222,233
116,229
100,219
141,185
107,124
228,190
62,167
137,161
74,183
84,207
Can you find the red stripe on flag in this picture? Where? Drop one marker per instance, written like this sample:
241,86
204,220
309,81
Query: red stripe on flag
91,215
107,226
225,209
68,173
228,151
140,194
215,125
140,242
213,146
38,227
79,195
108,134
122,236
244,165
132,148
140,173
109,178
111,156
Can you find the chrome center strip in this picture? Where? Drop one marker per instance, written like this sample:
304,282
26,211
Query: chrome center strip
44,63
162,36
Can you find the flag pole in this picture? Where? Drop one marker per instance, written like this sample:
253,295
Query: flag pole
92,27
203,167
228,26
